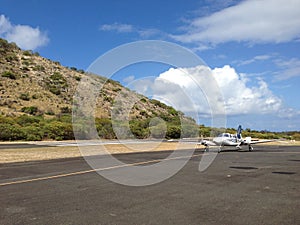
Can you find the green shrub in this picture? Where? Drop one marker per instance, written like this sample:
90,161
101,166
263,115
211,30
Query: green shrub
27,53
6,120
140,128
10,132
32,110
55,90
117,89
59,131
26,62
158,131
33,133
25,120
9,75
66,110
143,113
56,76
38,68
190,131
77,78
104,128
173,132
172,111
11,57
204,131
73,68
34,96
24,96
158,103
4,44
50,112
25,69
56,83
66,118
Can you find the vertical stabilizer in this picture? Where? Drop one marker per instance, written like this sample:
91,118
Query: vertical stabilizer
239,132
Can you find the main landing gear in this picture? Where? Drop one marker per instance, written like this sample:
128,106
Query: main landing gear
250,148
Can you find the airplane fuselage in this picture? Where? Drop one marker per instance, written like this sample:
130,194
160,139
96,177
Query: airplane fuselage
227,139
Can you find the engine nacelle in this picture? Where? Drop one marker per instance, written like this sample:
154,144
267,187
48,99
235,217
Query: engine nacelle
248,140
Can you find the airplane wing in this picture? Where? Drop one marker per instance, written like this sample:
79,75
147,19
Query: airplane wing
207,143
264,141
252,142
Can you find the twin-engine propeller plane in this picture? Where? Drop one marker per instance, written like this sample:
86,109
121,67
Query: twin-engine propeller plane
227,139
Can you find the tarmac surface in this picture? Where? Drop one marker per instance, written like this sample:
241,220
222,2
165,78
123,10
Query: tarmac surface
259,187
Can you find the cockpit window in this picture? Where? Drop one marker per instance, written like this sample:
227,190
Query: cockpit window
224,135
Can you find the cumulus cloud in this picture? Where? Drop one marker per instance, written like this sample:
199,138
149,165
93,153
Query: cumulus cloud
240,98
252,21
24,36
192,89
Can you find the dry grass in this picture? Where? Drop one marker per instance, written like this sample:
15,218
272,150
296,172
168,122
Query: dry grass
47,153
33,154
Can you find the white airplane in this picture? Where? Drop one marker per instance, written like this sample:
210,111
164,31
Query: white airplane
227,139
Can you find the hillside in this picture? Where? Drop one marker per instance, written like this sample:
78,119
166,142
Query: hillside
36,96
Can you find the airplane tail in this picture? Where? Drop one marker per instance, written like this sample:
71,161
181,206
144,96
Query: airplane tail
239,132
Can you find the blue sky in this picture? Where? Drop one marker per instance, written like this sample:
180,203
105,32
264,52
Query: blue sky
252,47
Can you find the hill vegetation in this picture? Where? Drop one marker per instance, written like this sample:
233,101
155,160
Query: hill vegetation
36,98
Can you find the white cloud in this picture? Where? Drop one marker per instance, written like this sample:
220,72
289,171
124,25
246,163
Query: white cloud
194,90
128,28
5,25
190,89
252,21
289,113
129,79
146,33
118,27
254,59
288,69
24,36
240,98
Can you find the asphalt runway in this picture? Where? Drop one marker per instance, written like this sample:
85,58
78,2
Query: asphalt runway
259,187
